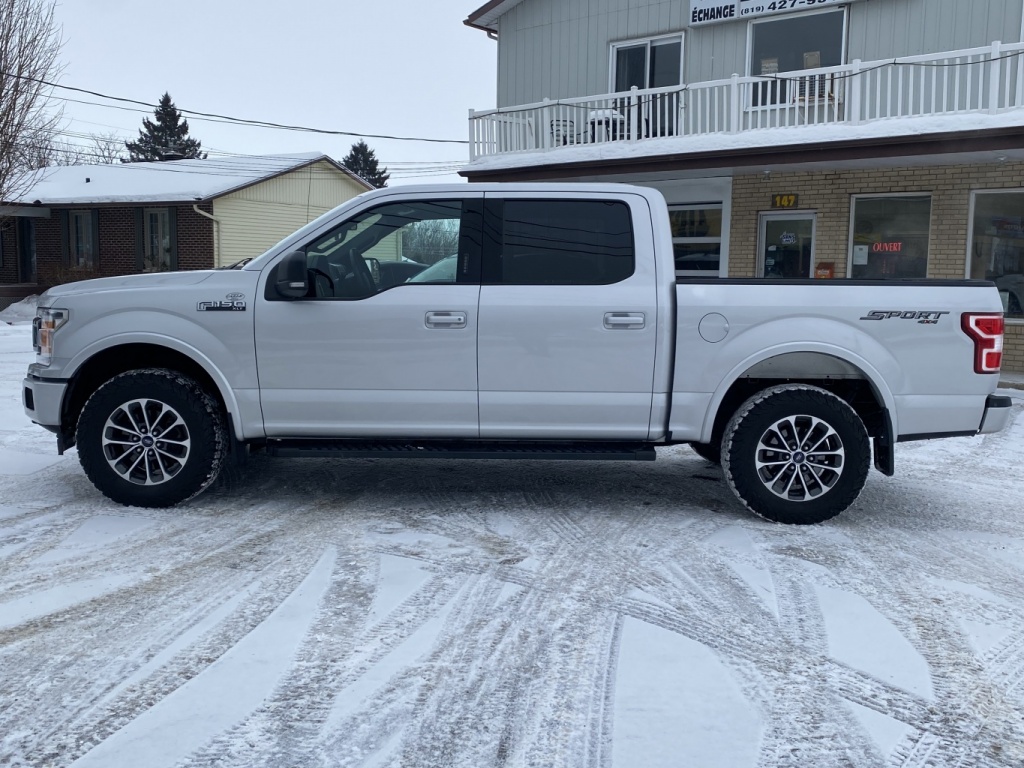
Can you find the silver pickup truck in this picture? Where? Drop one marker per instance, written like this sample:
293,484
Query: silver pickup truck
530,321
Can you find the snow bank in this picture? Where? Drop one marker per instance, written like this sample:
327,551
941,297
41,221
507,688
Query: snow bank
21,312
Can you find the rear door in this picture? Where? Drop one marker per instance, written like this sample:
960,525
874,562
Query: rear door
568,310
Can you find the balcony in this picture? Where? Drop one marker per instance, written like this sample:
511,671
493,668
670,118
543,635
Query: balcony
894,96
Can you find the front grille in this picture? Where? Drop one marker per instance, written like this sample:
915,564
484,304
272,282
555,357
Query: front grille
36,322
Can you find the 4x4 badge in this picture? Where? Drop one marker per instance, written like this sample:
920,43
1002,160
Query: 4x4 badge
923,317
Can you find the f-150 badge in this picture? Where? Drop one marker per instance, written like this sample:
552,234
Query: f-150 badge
233,302
925,318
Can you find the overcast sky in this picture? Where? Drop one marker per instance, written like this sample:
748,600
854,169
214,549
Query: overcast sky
388,67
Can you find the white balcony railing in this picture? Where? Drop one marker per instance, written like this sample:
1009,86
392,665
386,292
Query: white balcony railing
975,80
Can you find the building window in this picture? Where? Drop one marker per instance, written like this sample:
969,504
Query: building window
890,237
654,63
697,239
81,239
156,239
794,43
997,246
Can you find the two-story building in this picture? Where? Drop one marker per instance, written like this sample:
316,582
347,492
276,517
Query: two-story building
792,138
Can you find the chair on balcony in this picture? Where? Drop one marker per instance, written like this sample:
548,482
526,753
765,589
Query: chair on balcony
563,132
814,92
606,125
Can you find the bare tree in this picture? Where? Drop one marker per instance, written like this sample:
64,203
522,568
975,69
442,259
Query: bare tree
430,241
106,148
30,42
39,149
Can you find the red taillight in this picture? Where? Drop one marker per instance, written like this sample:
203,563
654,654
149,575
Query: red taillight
986,330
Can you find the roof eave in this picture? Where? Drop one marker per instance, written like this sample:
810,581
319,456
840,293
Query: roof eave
912,145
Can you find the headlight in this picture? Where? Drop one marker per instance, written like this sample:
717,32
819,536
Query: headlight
45,324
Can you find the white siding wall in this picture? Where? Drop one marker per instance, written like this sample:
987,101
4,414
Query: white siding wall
255,218
560,48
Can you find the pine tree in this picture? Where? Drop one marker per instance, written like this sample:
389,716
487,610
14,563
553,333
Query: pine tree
166,139
362,161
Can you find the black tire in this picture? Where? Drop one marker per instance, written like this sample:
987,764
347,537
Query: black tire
708,451
118,438
814,482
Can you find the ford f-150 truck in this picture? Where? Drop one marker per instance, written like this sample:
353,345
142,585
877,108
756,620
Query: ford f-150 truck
551,325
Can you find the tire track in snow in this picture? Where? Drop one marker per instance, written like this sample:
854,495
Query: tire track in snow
213,700
84,677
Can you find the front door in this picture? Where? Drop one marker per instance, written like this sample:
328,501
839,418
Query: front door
568,319
786,245
373,351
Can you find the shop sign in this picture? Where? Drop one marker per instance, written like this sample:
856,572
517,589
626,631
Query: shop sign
717,11
893,247
785,201
788,238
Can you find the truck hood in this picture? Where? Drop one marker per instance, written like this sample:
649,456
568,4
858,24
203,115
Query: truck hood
128,282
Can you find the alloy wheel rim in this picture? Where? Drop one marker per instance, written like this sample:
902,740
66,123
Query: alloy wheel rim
146,442
800,458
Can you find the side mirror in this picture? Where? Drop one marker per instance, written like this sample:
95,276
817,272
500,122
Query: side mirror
292,279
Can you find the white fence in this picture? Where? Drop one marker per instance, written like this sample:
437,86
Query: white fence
989,79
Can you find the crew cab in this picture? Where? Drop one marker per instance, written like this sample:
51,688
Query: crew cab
545,321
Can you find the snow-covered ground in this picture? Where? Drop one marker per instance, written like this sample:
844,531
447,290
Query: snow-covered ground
425,613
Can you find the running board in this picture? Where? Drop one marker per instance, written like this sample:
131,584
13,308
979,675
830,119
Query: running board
462,449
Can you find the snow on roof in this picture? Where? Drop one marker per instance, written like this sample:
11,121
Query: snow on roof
168,181
767,138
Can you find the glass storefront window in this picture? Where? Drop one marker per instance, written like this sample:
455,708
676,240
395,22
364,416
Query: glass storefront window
697,239
997,246
890,237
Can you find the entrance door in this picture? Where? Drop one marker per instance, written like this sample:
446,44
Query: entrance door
786,248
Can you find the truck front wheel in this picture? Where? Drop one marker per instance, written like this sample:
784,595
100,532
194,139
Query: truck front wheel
796,454
151,438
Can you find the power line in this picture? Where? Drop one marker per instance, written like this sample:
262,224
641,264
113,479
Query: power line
229,118
263,162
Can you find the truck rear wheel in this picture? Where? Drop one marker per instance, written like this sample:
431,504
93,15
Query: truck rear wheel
796,454
151,438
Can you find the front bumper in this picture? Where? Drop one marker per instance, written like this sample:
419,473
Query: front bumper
997,414
42,400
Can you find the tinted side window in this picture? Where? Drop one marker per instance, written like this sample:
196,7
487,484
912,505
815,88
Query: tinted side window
566,242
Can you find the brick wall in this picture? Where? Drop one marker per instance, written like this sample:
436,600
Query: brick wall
1013,348
195,238
117,244
828,193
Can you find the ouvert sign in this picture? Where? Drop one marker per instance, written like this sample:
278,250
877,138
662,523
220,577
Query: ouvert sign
716,11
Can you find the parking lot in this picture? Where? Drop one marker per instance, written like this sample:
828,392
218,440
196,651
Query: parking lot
458,613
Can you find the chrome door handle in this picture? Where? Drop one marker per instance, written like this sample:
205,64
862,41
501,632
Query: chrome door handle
445,320
624,321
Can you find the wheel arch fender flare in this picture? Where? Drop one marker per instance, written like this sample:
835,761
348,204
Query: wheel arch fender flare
225,391
871,374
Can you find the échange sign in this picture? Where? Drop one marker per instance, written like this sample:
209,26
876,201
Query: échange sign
717,11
